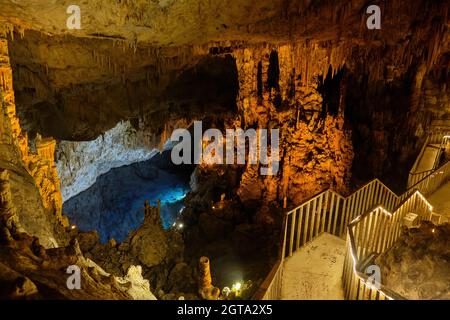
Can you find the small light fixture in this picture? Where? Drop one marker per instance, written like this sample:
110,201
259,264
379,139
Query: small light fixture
433,230
73,227
237,286
180,226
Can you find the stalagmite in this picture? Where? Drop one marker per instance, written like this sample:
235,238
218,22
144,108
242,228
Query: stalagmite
206,289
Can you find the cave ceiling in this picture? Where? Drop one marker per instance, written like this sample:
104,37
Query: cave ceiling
128,57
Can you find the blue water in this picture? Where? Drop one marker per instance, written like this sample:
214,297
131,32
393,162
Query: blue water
113,206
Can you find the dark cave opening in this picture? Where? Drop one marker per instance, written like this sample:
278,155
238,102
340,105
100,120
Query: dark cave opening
273,73
114,205
259,80
273,79
376,113
330,89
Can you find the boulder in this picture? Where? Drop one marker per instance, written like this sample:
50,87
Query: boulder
88,240
180,279
149,245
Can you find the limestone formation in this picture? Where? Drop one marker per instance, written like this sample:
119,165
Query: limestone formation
351,104
8,217
40,165
205,287
5,196
159,254
149,242
25,265
316,149
417,266
138,287
79,163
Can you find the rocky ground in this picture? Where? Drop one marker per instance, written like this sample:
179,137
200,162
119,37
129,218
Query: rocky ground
158,252
418,265
30,271
239,249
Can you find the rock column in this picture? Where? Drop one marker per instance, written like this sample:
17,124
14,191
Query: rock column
206,289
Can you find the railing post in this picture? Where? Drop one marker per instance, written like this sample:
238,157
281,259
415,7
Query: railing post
291,239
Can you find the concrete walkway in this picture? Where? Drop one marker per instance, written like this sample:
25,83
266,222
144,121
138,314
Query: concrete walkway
440,200
314,272
428,159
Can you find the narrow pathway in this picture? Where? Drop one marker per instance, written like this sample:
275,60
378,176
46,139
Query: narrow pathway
428,158
440,200
314,272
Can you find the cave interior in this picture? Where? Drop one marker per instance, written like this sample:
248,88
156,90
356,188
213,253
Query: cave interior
89,115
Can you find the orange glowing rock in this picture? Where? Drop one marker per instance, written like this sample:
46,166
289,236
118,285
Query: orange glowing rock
206,289
316,149
41,166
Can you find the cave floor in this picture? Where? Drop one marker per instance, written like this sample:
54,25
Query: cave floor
315,271
440,200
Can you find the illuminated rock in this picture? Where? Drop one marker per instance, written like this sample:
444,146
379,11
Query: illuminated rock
205,288
30,263
41,165
7,207
315,149
149,242
8,217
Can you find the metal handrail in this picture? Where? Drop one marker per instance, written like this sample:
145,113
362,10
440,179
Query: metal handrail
422,151
347,207
387,231
416,177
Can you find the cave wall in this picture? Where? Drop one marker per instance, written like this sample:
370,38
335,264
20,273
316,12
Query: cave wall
316,150
90,85
435,94
34,180
34,246
90,80
391,116
80,163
